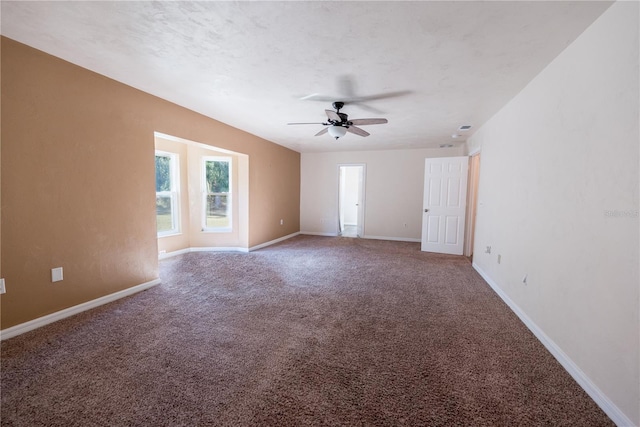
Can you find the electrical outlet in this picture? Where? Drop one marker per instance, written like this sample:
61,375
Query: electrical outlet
282,222
3,290
488,250
56,274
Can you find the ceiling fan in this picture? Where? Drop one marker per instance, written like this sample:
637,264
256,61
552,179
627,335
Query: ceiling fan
338,124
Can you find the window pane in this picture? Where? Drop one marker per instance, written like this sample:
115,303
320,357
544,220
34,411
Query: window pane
163,173
217,211
164,213
217,176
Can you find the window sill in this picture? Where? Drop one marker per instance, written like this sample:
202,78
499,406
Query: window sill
217,230
160,236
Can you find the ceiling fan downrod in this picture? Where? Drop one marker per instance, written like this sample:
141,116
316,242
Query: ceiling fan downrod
344,118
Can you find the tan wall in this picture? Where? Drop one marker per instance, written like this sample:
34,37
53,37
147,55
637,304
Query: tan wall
78,182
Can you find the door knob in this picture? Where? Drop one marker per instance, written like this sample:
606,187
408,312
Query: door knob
426,210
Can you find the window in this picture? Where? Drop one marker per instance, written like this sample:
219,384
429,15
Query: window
167,207
217,194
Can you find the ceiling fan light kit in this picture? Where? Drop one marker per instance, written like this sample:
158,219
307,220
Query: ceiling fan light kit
338,124
337,131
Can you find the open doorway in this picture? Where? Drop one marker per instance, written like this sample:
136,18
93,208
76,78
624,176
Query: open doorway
351,200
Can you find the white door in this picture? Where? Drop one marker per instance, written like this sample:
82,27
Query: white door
444,203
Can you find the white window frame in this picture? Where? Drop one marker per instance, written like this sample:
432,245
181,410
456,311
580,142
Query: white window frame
205,194
173,194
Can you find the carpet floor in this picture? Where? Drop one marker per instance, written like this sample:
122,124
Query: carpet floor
314,331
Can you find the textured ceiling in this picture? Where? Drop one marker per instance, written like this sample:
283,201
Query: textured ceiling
248,63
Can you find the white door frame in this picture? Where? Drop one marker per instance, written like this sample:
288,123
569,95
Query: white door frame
363,192
472,202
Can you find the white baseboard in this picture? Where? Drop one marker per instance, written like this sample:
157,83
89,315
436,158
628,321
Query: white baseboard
609,408
394,239
273,242
67,312
219,249
313,233
164,255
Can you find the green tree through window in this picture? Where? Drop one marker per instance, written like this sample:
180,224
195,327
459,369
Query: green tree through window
217,176
217,197
163,173
166,194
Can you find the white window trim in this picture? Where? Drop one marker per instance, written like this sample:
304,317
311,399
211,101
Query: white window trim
174,193
203,183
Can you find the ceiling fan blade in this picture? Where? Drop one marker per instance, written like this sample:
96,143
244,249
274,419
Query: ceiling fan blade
386,95
333,115
368,108
317,97
360,101
322,132
358,131
369,121
306,123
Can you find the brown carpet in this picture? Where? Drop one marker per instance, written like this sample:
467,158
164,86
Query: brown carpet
313,331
